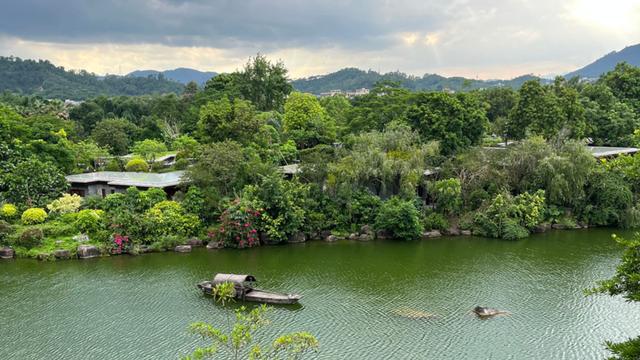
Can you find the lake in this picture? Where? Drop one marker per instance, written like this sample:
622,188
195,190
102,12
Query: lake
129,307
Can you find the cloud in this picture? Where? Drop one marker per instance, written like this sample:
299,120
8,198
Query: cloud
483,38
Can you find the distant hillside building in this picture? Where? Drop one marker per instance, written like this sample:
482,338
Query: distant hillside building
103,183
349,94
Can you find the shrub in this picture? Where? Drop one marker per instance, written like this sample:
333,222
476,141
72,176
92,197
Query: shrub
113,165
89,221
168,217
167,242
509,217
238,226
400,218
34,216
631,219
193,202
181,164
609,199
5,230
363,208
151,197
57,228
282,201
137,165
435,221
65,204
447,194
8,211
511,230
119,244
92,202
30,238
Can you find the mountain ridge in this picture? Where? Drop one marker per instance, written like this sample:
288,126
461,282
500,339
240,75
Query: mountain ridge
630,54
42,78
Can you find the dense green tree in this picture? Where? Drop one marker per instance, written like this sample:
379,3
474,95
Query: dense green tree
306,122
610,121
115,134
281,205
186,146
264,83
338,108
501,101
400,219
223,85
149,149
87,115
572,120
624,82
455,121
537,111
34,183
385,103
220,170
224,119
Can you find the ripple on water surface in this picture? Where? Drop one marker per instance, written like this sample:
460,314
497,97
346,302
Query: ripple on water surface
362,300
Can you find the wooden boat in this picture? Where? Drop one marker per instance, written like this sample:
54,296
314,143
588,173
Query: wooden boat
244,290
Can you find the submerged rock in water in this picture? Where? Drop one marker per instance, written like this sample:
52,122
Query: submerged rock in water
482,311
431,234
331,238
366,229
411,313
365,237
87,251
183,248
6,253
297,238
453,231
195,242
62,254
215,245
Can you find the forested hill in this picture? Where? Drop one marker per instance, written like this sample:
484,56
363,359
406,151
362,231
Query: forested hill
181,75
630,55
350,79
42,78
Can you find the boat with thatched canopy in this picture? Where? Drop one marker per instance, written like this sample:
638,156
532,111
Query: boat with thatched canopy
245,290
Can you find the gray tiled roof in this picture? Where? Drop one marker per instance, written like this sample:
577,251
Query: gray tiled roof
138,179
602,151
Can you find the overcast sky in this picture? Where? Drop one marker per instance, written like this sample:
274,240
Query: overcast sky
477,39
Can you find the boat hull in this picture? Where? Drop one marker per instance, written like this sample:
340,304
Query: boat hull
255,295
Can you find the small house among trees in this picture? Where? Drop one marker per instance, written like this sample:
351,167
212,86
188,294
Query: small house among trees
103,183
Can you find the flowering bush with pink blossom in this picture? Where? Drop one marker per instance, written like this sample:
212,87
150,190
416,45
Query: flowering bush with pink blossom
120,244
237,226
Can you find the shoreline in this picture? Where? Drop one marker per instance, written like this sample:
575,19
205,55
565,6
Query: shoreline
91,251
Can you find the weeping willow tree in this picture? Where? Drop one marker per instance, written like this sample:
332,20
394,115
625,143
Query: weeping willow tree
386,163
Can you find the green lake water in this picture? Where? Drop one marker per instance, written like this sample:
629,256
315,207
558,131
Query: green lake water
139,307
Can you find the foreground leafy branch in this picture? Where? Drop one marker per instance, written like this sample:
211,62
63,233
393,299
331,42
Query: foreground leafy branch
625,282
239,341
